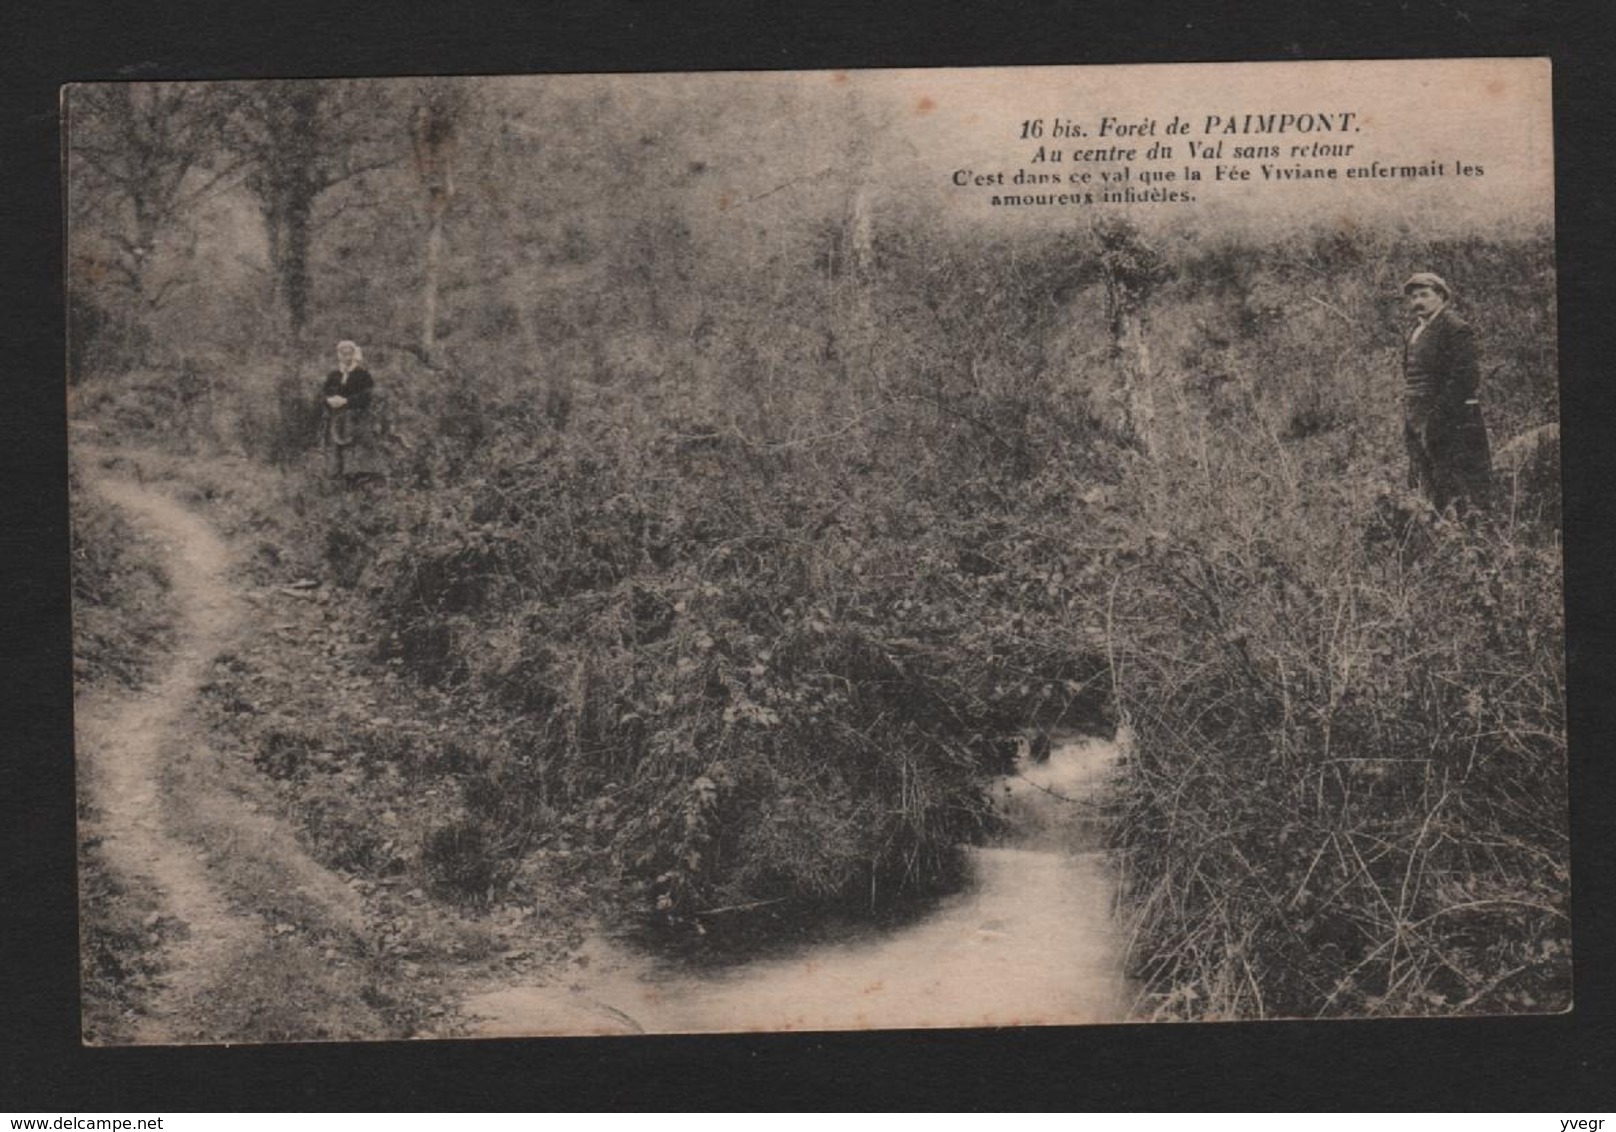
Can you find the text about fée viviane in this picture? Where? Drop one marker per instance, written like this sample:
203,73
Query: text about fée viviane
1073,161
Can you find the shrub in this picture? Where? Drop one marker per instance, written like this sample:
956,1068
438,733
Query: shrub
465,861
280,425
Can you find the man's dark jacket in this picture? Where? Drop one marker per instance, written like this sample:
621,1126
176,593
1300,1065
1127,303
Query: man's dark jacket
1447,441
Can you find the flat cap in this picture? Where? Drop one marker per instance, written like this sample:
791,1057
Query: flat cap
1427,279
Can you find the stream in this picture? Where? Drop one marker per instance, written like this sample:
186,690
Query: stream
1030,939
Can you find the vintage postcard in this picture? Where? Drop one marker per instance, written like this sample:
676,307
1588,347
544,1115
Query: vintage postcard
677,553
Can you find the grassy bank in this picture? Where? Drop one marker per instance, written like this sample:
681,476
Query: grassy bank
1346,785
1346,788
122,614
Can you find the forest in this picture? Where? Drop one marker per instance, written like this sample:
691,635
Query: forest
742,521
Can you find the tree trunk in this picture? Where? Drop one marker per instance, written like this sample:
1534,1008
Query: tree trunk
1130,353
429,316
295,264
433,133
1140,404
284,153
1133,270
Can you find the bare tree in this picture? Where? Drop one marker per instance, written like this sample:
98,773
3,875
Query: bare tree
299,140
140,157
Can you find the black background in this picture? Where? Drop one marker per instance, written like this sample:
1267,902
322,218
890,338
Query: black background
1552,1063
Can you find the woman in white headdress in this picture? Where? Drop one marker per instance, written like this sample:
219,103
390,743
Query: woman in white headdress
347,431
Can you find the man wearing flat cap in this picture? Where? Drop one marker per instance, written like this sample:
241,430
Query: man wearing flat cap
1448,458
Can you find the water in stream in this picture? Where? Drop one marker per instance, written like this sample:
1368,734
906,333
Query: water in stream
1031,939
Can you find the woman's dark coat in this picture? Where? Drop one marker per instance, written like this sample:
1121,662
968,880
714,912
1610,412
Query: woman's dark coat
349,434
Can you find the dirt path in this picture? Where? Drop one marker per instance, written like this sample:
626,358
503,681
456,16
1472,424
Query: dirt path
125,740
173,814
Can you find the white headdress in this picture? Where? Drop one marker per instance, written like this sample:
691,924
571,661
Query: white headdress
358,354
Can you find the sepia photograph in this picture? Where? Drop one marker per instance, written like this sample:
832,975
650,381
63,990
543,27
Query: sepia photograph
680,553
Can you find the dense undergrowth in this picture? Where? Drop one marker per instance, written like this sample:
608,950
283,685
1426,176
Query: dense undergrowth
751,611
1345,791
792,695
1346,788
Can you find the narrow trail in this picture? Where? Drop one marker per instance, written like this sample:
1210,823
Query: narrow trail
125,740
261,901
141,750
